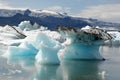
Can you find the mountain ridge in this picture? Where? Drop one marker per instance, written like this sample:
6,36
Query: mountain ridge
49,19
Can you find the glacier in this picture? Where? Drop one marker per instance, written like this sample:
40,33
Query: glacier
43,46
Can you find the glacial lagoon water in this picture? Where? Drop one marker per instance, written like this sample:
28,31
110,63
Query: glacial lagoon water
24,68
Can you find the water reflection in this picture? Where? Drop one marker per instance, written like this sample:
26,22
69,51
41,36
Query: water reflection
46,72
79,70
15,72
24,59
70,70
67,70
110,52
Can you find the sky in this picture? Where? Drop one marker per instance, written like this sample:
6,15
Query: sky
105,10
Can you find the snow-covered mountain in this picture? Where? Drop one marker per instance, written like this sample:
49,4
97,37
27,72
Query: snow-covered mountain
49,18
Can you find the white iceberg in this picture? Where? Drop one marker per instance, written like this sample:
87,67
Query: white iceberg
115,38
48,49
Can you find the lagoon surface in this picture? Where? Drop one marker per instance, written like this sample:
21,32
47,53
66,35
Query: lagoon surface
24,68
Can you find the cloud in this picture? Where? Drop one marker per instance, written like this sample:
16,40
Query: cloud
54,8
4,5
59,9
109,12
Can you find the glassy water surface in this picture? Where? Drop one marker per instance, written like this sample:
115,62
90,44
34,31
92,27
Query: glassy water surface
24,68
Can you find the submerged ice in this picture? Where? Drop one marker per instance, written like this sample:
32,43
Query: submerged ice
43,46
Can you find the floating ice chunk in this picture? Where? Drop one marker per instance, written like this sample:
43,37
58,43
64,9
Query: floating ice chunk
82,44
24,54
40,48
80,51
48,49
51,47
115,38
47,55
25,25
115,35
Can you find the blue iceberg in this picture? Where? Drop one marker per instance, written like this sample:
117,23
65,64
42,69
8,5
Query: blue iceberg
52,47
82,44
42,50
48,49
23,54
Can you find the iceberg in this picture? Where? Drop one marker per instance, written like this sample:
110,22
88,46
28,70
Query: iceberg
27,25
23,54
82,44
48,49
41,50
115,38
40,45
43,46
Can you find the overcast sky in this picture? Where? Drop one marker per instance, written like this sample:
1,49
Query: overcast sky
106,10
